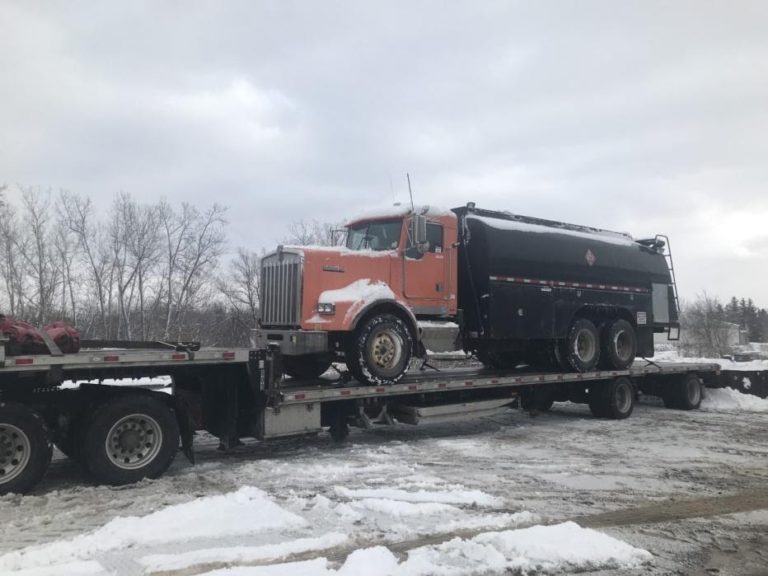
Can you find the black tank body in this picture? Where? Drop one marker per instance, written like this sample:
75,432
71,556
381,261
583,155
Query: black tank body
522,277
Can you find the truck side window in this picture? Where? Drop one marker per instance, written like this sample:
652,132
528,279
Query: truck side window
435,238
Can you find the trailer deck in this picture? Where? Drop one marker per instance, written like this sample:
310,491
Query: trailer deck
304,392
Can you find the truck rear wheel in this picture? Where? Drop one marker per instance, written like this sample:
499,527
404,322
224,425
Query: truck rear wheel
25,448
582,346
130,438
380,351
685,393
618,344
614,399
306,366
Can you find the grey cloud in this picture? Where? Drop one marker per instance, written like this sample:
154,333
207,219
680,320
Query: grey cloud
638,116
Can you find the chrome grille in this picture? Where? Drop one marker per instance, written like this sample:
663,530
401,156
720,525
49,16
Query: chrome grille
280,285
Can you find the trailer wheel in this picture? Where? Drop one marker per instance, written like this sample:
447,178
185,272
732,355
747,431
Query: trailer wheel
306,366
618,344
582,346
130,438
684,393
25,448
380,350
614,399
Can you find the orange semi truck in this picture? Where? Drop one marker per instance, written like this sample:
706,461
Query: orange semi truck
510,289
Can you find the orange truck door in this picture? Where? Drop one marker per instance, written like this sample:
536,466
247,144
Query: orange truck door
425,276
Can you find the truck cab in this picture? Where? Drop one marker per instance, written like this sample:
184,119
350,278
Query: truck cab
361,302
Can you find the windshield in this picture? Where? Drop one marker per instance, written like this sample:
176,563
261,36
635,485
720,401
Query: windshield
378,235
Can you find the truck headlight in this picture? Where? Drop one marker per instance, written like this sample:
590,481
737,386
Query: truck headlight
326,308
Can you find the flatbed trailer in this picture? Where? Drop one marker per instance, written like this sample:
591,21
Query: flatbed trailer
122,433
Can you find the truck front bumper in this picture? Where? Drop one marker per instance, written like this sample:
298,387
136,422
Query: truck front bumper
291,342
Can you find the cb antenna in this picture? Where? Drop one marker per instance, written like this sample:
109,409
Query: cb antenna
410,192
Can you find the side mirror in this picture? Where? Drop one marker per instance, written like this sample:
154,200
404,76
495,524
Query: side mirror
419,232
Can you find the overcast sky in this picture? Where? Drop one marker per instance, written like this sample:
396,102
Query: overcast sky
639,116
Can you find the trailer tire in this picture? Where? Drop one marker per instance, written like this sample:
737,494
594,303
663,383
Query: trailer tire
25,448
582,346
380,350
306,366
130,438
685,393
614,400
618,344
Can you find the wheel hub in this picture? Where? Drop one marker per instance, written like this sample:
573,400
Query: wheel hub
134,441
385,350
585,346
14,452
621,344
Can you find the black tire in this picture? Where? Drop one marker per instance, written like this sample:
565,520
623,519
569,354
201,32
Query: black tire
25,448
618,343
614,399
306,366
380,351
684,393
500,360
581,350
130,438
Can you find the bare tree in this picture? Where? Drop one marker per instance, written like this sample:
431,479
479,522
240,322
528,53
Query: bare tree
13,244
241,287
314,233
77,212
705,331
40,256
194,242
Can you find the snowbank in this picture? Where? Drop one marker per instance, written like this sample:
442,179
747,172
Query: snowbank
240,554
725,363
247,511
553,549
467,497
730,400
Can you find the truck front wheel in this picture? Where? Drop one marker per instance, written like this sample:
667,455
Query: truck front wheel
380,351
130,438
25,449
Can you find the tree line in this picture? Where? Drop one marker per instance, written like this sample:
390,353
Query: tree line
708,324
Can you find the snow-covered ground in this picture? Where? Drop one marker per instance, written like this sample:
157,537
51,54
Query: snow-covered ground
662,492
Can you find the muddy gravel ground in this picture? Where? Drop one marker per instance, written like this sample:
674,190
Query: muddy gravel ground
689,487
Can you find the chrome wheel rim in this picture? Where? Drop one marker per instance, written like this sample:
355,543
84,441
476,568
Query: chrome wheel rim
585,346
134,441
386,349
623,398
15,452
694,391
622,344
